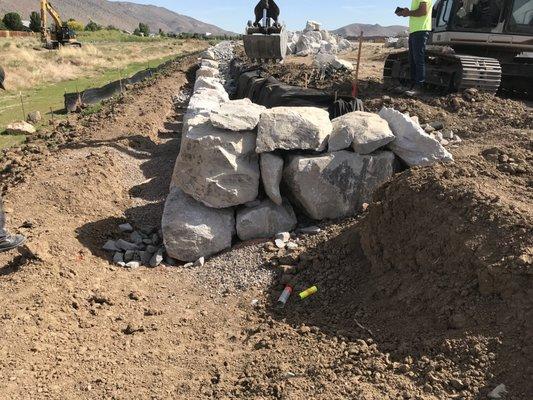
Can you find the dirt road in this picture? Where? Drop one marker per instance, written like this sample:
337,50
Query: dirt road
410,320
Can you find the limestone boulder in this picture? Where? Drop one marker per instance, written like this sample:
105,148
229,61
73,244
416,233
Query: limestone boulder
271,174
205,100
380,166
209,83
265,220
207,72
334,185
209,63
216,167
192,230
290,128
237,115
364,131
412,144
208,54
20,128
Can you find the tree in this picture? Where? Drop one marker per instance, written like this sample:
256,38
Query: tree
2,26
35,21
144,29
76,26
137,32
111,28
13,22
92,26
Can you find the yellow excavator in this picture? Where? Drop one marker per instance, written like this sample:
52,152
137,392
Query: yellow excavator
60,34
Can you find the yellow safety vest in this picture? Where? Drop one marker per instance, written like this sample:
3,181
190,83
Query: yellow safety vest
420,23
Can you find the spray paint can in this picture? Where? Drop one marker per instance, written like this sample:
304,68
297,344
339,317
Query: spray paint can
285,296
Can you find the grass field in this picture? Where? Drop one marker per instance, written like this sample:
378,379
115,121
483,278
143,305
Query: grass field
41,78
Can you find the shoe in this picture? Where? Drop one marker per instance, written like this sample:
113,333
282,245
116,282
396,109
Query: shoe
12,242
415,92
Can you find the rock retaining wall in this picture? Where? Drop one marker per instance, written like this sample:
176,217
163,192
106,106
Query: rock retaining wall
244,169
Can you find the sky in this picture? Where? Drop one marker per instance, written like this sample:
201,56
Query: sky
233,15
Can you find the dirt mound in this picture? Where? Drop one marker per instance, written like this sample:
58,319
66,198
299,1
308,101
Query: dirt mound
440,289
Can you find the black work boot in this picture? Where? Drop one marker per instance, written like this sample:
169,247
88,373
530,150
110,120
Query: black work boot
11,242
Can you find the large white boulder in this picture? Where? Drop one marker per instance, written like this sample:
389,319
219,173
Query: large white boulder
412,144
312,26
271,174
237,115
309,43
20,128
204,101
291,128
344,45
335,185
265,220
192,230
217,167
209,63
208,72
208,83
364,131
379,168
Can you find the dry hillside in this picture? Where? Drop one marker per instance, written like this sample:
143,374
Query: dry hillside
370,30
123,15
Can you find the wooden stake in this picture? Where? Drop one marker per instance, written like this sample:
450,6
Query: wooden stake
52,113
23,109
355,90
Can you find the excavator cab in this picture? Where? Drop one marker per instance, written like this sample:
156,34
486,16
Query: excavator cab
266,38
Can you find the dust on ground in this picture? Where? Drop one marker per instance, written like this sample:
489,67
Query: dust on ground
427,295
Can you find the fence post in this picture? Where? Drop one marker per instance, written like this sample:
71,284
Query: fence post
23,109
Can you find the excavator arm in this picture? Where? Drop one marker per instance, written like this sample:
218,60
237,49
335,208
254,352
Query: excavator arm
47,8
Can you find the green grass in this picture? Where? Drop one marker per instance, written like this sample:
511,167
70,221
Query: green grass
105,35
50,96
9,141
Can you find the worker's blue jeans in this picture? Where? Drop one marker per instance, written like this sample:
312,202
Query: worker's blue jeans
3,232
417,56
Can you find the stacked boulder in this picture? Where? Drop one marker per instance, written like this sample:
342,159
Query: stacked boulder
314,40
243,169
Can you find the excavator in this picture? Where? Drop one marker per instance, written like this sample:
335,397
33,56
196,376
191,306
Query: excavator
60,34
482,44
266,38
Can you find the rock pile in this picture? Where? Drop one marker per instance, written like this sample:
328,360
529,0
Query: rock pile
314,40
143,247
242,168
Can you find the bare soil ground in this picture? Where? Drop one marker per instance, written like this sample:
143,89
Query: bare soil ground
427,295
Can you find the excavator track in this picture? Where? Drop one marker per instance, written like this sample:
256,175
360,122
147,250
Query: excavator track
447,71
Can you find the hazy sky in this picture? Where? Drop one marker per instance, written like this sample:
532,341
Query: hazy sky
234,14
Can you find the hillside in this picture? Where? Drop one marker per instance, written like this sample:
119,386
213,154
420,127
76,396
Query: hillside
370,30
123,15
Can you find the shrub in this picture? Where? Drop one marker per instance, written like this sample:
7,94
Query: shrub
76,26
144,28
13,22
2,26
35,21
92,27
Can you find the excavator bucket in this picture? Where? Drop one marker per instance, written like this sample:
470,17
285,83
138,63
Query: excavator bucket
261,46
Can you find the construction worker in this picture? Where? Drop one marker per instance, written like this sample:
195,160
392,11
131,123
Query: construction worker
7,241
419,31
